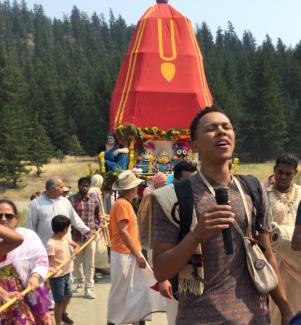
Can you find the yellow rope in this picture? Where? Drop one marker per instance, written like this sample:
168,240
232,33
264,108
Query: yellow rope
50,274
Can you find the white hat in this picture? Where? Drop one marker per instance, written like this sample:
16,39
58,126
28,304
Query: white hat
126,180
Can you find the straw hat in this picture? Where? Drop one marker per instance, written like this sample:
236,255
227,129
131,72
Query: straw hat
126,180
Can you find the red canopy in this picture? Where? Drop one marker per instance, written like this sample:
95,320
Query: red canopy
162,81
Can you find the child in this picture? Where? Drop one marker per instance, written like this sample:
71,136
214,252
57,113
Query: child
58,251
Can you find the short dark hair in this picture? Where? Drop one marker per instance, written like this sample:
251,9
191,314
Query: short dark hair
287,158
12,204
195,121
32,197
183,165
84,179
59,223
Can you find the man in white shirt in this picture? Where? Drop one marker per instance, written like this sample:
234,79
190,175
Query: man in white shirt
48,205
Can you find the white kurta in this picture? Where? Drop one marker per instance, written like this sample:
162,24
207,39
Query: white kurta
283,209
42,210
131,298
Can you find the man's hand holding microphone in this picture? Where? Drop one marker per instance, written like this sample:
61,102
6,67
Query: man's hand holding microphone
217,218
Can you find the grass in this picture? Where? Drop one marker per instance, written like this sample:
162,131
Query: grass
262,171
22,217
70,170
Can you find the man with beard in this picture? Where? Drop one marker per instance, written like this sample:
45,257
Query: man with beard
284,197
87,207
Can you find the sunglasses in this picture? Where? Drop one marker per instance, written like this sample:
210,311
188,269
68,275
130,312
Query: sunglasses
8,216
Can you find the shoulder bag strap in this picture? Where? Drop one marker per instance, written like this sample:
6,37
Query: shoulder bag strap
246,208
244,200
208,185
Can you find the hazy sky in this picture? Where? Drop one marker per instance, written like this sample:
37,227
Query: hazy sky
278,18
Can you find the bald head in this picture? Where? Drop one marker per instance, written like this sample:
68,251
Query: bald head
51,182
54,187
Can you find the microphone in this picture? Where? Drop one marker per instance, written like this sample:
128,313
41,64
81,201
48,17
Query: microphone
221,197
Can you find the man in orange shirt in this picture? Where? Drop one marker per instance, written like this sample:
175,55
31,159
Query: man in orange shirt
131,297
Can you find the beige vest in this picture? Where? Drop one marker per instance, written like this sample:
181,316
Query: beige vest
283,206
166,197
283,209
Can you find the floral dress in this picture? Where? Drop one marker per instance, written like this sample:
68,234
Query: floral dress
33,310
15,270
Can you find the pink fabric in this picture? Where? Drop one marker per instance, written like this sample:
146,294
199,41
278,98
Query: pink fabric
60,250
160,180
147,191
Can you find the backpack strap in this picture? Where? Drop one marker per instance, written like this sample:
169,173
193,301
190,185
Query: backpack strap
191,277
247,211
253,187
185,202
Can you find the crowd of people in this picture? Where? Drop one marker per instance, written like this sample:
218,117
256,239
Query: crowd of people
167,253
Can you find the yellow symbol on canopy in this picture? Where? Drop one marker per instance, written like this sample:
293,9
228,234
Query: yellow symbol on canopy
168,69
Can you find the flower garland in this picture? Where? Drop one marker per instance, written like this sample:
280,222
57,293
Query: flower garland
109,178
153,133
128,131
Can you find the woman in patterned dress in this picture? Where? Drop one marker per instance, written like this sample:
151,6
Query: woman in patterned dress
9,241
27,265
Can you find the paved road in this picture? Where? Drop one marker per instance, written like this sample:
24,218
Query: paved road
93,312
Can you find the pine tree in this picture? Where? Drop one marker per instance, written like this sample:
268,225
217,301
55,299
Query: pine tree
74,146
12,146
59,155
40,149
64,70
13,122
248,42
267,125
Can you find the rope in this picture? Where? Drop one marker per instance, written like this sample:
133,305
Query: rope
50,274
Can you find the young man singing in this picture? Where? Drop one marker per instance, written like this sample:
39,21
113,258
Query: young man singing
225,295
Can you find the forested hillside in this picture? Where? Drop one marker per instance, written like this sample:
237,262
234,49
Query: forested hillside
57,76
